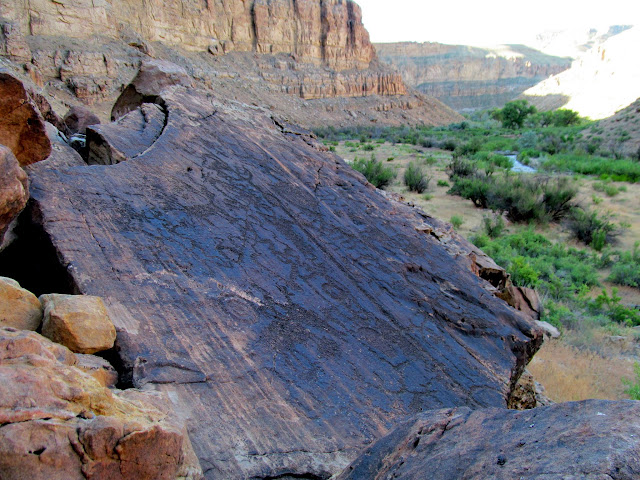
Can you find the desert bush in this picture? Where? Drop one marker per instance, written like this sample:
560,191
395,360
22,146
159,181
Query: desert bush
456,221
592,228
449,144
557,271
460,168
615,309
415,179
493,226
375,172
443,183
626,271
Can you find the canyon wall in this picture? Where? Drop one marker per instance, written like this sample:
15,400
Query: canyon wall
311,61
468,77
328,32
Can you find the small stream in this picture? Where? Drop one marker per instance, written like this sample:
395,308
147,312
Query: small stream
517,166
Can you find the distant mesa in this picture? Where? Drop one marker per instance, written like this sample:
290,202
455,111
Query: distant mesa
470,78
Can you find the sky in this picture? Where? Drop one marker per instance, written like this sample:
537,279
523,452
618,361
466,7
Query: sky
489,22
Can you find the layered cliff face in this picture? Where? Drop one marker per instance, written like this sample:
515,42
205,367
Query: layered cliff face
328,32
468,77
279,53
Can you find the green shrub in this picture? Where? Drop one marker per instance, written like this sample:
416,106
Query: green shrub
415,179
616,310
626,271
427,196
369,147
443,183
456,221
460,167
522,273
611,190
493,225
449,144
521,197
633,388
558,272
375,172
591,228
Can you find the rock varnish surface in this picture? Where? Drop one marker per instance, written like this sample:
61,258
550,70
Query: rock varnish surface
290,311
593,439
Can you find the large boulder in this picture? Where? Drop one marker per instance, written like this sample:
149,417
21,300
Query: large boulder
78,119
154,77
593,439
79,322
19,308
22,127
292,313
59,423
125,138
14,189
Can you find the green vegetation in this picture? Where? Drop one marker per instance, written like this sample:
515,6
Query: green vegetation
633,388
591,228
626,270
374,171
514,113
562,275
522,198
620,170
415,179
456,221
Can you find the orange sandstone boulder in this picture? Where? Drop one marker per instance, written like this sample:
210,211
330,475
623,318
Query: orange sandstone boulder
79,322
61,423
14,189
19,308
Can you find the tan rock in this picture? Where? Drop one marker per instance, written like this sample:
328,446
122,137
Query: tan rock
12,42
19,308
98,368
14,189
60,423
79,322
21,125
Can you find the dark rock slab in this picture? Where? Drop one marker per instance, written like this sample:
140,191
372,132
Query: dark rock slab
77,119
593,439
126,138
291,312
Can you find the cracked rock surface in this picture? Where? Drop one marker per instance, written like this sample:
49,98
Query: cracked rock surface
291,312
592,439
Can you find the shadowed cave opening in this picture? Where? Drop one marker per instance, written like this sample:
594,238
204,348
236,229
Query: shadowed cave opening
32,260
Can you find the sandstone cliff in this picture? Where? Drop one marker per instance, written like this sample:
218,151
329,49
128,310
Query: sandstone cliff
328,32
273,52
469,77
